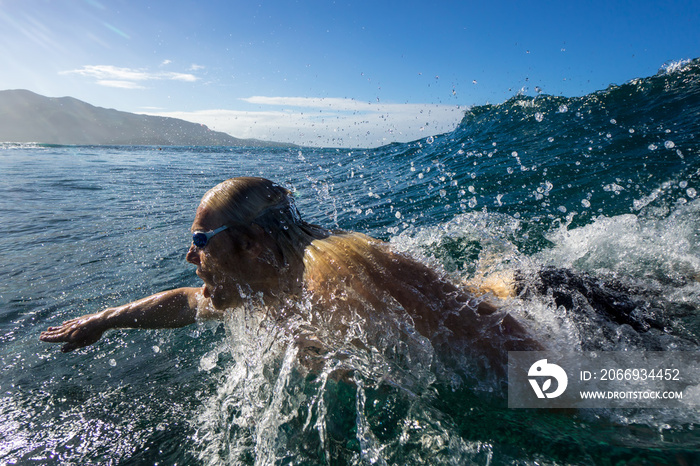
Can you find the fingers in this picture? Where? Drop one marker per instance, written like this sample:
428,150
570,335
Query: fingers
75,333
61,334
51,335
58,335
50,338
69,332
55,334
45,336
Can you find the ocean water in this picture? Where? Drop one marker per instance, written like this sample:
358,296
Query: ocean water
605,184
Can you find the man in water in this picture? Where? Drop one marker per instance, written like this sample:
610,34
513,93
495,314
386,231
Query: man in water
250,241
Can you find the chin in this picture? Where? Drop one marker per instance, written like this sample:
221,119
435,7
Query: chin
220,301
217,301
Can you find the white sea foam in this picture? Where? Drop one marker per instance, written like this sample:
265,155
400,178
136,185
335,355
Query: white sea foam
665,249
294,385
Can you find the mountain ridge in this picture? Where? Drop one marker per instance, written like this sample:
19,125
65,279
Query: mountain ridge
29,117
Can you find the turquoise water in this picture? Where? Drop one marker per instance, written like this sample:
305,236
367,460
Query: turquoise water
605,184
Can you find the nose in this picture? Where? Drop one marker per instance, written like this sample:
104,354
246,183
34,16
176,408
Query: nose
193,255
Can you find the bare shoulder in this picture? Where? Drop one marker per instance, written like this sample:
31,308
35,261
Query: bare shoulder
357,260
336,255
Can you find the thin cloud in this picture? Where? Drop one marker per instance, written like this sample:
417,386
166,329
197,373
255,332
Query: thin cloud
336,104
339,123
190,78
119,84
127,78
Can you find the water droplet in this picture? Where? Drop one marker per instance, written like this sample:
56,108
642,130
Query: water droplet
472,202
691,193
397,214
653,147
563,109
112,362
539,116
669,144
156,349
586,203
443,193
613,121
430,140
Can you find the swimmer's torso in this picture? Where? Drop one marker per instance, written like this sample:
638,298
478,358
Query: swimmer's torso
352,272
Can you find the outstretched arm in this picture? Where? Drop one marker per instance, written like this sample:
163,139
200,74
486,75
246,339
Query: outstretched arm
168,309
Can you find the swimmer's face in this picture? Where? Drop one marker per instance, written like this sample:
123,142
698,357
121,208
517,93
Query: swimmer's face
228,264
205,258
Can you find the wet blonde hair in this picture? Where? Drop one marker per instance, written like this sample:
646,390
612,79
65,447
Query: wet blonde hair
248,201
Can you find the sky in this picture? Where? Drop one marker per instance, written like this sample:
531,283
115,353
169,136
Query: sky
333,73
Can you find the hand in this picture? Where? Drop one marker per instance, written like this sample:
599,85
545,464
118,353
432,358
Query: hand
79,332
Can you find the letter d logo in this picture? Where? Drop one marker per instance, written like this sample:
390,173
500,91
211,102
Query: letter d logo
551,371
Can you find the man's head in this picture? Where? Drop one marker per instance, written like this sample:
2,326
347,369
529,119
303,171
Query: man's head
264,238
244,200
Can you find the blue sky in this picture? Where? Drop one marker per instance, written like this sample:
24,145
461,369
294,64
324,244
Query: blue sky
333,73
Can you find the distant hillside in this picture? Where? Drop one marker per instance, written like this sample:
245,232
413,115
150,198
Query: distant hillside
29,117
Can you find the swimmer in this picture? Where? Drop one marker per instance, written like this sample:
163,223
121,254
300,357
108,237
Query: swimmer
248,239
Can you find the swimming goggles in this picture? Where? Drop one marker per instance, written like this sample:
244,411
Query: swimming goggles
201,238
